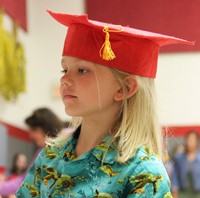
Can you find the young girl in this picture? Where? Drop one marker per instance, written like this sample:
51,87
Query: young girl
108,88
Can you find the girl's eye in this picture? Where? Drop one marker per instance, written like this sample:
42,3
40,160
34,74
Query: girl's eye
64,71
83,71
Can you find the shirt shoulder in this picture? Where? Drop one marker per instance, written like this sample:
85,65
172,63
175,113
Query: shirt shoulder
149,178
148,161
45,162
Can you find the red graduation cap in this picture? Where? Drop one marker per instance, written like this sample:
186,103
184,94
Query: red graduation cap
124,48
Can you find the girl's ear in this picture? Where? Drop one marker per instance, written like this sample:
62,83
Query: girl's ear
129,89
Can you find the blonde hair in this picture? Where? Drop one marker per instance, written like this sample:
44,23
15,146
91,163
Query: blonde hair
137,122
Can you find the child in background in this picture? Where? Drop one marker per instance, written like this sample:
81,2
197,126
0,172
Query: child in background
42,123
186,172
108,88
20,163
14,177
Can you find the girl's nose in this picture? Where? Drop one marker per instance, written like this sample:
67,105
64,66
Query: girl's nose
66,80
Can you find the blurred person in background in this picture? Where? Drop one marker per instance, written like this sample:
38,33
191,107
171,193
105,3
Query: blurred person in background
186,169
180,148
19,166
166,159
42,123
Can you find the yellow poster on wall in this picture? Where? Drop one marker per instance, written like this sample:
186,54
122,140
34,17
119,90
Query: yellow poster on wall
12,64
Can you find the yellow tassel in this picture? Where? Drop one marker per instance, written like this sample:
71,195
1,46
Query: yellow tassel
108,53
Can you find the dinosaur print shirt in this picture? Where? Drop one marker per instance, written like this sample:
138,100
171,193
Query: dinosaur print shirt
95,174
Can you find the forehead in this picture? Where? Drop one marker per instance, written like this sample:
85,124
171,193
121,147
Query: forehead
73,60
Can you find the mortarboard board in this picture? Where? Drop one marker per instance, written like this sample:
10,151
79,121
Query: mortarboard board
124,48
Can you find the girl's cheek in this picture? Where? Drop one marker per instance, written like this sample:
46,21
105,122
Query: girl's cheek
88,79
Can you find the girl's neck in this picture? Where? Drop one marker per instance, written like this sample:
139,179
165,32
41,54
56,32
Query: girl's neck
93,130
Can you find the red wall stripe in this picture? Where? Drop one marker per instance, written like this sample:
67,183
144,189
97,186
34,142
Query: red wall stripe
170,131
178,18
179,131
17,132
2,169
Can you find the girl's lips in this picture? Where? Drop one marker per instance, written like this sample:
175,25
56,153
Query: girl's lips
69,96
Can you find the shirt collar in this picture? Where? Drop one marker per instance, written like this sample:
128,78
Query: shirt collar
105,152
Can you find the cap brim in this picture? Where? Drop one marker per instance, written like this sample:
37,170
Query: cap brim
160,39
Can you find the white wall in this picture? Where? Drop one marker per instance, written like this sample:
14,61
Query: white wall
43,45
178,88
177,79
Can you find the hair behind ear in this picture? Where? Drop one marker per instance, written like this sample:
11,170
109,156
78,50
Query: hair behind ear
137,123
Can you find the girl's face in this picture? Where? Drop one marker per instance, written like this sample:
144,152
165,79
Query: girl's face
87,88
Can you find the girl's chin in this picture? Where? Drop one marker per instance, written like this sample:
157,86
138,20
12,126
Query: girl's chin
72,113
77,112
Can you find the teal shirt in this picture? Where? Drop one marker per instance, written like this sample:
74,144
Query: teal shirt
96,174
